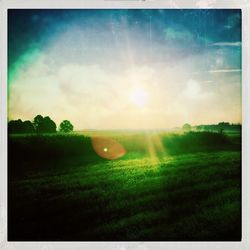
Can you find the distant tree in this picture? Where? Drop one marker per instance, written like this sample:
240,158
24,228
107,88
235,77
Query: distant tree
49,126
186,127
66,126
28,127
15,126
223,126
38,120
18,126
44,124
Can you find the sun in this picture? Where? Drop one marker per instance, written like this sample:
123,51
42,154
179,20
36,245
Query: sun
139,97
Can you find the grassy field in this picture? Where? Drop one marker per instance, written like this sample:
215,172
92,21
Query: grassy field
165,187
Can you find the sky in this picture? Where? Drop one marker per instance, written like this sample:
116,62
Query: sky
125,69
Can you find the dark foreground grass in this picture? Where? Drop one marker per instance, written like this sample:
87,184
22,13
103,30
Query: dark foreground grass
195,196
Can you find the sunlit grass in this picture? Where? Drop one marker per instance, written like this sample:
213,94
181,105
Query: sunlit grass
188,196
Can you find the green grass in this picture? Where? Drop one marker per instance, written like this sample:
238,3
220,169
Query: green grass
185,195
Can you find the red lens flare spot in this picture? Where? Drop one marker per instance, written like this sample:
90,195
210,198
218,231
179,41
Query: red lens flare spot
107,148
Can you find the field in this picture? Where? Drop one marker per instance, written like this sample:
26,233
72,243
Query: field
166,187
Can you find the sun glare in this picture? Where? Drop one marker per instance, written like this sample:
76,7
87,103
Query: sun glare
139,97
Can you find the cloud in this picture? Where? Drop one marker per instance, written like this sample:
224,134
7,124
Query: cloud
193,89
193,102
234,44
87,95
172,34
216,71
224,70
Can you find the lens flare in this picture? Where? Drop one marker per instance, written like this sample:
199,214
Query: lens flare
107,148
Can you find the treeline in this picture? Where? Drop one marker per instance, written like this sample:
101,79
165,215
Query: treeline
220,127
39,124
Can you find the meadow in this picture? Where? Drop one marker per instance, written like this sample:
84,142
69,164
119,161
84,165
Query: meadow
166,187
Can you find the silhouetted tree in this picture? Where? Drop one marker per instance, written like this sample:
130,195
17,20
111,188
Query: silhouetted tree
28,127
44,124
40,125
15,126
66,126
38,120
18,126
186,127
49,126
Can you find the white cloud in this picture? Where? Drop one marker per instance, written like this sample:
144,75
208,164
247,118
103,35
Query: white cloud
224,70
234,44
192,90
